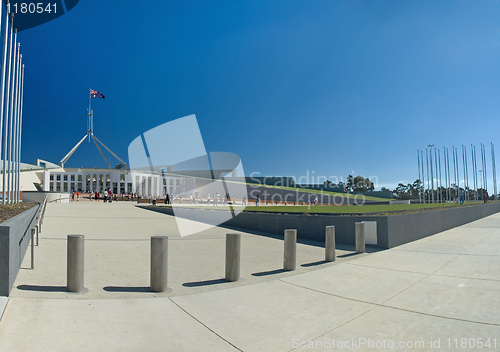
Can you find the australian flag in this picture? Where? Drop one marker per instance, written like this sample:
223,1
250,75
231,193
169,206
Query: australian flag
96,94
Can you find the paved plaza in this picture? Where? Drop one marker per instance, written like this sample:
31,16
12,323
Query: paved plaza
426,295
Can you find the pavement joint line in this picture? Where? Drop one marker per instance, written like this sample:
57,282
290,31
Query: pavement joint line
398,270
385,306
401,309
212,331
465,277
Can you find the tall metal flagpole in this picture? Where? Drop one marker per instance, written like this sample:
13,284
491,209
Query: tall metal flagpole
13,118
473,170
20,132
16,149
89,122
11,121
5,198
463,166
440,179
432,175
494,170
419,176
449,172
466,175
437,174
455,170
445,175
428,179
423,174
448,180
483,156
2,94
15,162
475,166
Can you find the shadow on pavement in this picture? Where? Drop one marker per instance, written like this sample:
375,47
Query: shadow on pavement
126,289
306,265
204,283
42,288
270,272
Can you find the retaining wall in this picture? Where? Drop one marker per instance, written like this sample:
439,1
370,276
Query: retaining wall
392,230
15,235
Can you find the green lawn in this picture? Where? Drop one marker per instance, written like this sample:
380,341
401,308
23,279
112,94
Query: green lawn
341,209
360,209
314,191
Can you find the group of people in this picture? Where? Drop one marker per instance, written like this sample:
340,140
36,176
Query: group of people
461,196
215,200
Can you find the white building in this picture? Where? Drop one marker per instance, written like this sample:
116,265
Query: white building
119,181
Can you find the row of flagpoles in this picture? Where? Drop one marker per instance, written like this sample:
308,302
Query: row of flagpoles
428,176
11,109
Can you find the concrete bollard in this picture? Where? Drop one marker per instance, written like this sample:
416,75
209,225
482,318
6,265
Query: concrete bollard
290,255
32,249
233,254
330,244
36,233
360,237
159,263
75,263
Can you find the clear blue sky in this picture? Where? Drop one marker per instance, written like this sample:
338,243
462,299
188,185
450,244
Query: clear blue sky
292,87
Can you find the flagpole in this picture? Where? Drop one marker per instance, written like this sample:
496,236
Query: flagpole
11,117
20,133
494,170
7,124
89,123
15,162
16,149
2,94
14,122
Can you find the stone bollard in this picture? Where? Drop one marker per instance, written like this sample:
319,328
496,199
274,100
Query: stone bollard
360,237
233,254
330,244
290,255
159,263
75,263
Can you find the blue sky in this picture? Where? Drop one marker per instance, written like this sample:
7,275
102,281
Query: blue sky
292,87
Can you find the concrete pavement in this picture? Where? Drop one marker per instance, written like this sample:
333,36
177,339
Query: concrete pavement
427,295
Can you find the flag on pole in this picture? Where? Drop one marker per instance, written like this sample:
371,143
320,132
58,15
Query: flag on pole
96,94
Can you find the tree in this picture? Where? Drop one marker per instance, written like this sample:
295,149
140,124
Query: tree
383,189
350,183
361,184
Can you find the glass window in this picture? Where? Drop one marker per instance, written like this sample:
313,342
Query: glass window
72,177
80,178
58,177
65,177
52,177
